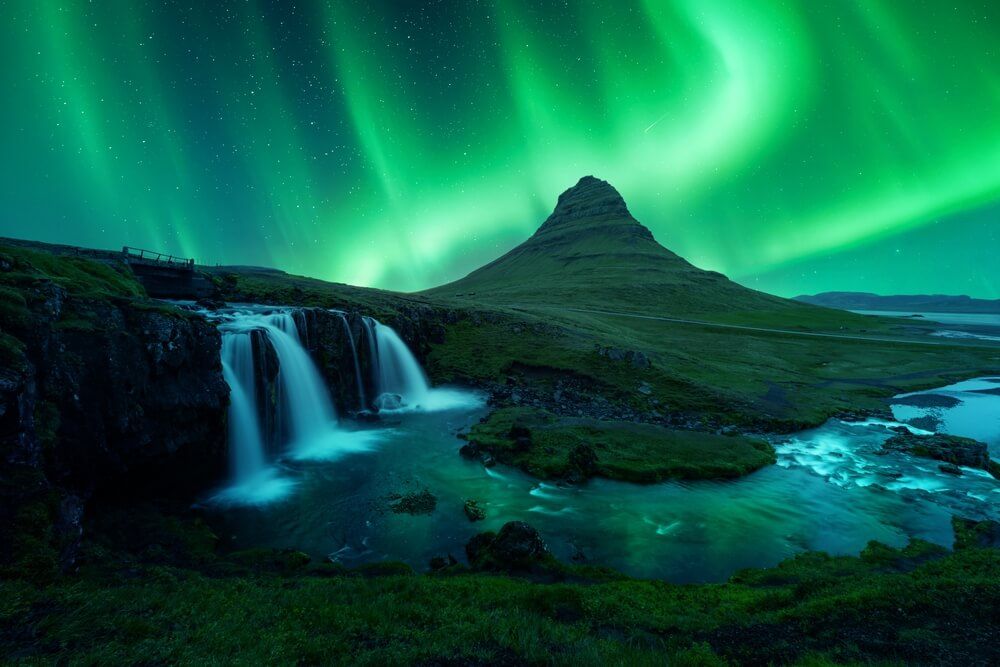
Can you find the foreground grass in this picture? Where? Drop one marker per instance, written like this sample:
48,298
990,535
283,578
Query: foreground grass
549,446
919,605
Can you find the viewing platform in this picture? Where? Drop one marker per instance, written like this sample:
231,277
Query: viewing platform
166,276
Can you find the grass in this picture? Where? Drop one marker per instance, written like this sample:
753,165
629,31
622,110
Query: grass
915,605
77,275
553,447
751,379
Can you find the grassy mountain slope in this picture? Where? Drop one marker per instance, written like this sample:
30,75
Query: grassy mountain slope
591,253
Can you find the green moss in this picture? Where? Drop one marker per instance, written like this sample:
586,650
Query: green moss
550,446
414,502
11,352
812,610
14,312
29,551
78,275
474,511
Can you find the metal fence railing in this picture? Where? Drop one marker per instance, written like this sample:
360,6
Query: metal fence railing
141,256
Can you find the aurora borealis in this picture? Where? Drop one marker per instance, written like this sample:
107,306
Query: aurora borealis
795,146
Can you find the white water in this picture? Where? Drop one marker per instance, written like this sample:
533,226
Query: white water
398,370
305,411
398,373
246,447
306,406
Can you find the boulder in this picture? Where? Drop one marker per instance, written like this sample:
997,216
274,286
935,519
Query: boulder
517,546
389,401
971,534
947,448
633,357
583,461
469,450
473,511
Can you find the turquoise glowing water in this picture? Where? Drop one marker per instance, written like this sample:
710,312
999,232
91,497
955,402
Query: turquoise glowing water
830,491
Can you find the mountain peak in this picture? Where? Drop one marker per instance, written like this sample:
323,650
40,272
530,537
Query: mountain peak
589,198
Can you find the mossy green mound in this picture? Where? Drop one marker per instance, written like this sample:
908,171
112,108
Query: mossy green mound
550,446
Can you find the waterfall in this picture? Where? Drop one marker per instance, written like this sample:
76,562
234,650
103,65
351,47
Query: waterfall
362,400
397,371
246,447
306,408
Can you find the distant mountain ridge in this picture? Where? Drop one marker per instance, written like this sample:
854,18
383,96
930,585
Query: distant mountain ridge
928,303
591,253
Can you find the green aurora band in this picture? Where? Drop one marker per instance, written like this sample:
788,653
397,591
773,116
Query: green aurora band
795,146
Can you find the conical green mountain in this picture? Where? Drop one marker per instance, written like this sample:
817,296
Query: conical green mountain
591,253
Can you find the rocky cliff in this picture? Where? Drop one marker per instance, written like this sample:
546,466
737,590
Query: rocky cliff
102,393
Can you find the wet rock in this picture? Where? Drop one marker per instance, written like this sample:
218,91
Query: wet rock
517,546
420,502
947,448
473,511
950,469
469,450
210,304
634,357
389,402
971,534
645,388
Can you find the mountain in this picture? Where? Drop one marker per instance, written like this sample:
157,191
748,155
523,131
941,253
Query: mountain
927,303
591,253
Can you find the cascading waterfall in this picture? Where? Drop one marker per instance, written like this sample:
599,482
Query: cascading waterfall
397,371
303,409
305,402
362,400
246,447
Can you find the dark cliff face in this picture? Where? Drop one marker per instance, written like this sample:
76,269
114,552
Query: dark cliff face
102,393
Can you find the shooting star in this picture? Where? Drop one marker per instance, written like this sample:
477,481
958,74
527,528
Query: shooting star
653,124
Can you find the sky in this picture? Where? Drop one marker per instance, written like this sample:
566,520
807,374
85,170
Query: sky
797,146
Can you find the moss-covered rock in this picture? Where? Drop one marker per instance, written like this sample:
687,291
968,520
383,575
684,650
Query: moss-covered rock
951,449
474,511
413,502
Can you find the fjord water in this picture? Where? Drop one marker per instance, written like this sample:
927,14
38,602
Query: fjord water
830,491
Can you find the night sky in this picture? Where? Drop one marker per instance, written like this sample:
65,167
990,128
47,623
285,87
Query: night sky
797,146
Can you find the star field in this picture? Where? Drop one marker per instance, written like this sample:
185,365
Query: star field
795,146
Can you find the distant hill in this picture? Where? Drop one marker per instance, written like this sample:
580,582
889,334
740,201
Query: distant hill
591,253
928,303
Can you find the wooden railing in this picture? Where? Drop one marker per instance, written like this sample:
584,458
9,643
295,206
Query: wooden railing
140,256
